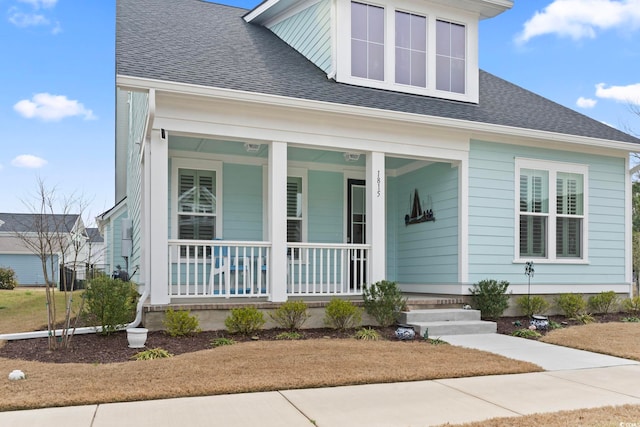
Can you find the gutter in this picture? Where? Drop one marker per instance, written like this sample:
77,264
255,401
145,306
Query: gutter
79,331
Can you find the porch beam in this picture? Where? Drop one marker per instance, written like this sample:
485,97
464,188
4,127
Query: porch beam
277,225
376,217
158,222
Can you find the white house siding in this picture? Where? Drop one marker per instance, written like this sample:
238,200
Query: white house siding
426,252
28,268
492,218
309,32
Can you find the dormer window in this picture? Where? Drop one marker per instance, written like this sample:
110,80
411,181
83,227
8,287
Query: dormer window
420,48
450,56
367,41
411,49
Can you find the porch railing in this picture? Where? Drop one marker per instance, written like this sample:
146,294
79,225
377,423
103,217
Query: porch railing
326,269
225,269
218,268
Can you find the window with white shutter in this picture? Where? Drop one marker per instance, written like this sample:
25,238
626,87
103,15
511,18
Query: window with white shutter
543,232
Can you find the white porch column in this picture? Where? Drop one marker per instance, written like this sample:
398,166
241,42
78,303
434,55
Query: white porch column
277,223
376,217
156,217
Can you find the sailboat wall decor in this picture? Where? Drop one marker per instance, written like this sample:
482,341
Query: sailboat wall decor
418,213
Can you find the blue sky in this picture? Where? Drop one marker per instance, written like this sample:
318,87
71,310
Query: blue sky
58,81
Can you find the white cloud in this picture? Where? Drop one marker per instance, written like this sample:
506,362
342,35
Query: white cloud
28,161
37,4
581,18
628,94
22,20
52,108
586,102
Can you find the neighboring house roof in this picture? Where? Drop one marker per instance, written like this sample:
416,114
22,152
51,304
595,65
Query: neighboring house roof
94,235
201,43
26,222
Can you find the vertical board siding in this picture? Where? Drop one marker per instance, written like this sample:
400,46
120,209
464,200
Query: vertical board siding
242,207
427,252
492,217
309,32
326,207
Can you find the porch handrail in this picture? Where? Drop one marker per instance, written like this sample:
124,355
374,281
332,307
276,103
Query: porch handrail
218,268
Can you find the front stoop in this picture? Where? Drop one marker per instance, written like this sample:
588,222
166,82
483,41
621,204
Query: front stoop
453,321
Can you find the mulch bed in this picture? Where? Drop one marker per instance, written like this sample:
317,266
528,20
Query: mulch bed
95,348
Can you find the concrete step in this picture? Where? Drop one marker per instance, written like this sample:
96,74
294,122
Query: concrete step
438,315
455,327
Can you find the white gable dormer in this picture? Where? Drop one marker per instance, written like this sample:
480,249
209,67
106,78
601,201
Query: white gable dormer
414,46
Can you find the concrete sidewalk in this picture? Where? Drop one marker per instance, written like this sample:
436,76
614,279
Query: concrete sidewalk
575,379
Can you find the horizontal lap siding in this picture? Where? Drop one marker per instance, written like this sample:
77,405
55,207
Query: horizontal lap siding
28,268
242,202
309,32
139,110
326,207
492,217
427,252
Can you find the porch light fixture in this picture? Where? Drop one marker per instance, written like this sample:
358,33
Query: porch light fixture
351,157
251,148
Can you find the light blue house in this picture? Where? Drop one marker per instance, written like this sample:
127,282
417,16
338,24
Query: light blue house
308,148
55,232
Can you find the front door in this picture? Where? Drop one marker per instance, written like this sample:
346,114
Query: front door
356,232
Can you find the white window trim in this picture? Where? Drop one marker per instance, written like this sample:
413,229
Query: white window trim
432,13
196,164
553,168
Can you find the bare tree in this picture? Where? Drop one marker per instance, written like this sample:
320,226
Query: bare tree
56,231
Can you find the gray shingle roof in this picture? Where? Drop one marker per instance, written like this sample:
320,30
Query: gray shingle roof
202,43
26,222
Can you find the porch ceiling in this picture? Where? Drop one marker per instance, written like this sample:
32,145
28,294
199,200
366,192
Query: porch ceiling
298,154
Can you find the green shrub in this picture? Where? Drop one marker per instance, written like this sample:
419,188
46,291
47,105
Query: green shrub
571,304
384,302
554,325
367,334
219,342
291,315
490,297
153,353
342,314
631,319
244,321
8,278
585,318
180,323
289,335
111,303
604,302
631,305
526,333
436,341
532,305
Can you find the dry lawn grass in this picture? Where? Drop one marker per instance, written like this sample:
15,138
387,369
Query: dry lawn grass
25,309
246,367
610,416
614,338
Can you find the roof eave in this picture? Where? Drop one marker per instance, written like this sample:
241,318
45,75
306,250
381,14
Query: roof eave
143,84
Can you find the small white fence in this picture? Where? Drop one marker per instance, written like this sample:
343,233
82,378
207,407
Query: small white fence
326,269
225,269
218,268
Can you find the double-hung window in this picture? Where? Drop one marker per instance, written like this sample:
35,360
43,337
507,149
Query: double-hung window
367,41
552,210
196,201
450,56
411,49
295,212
